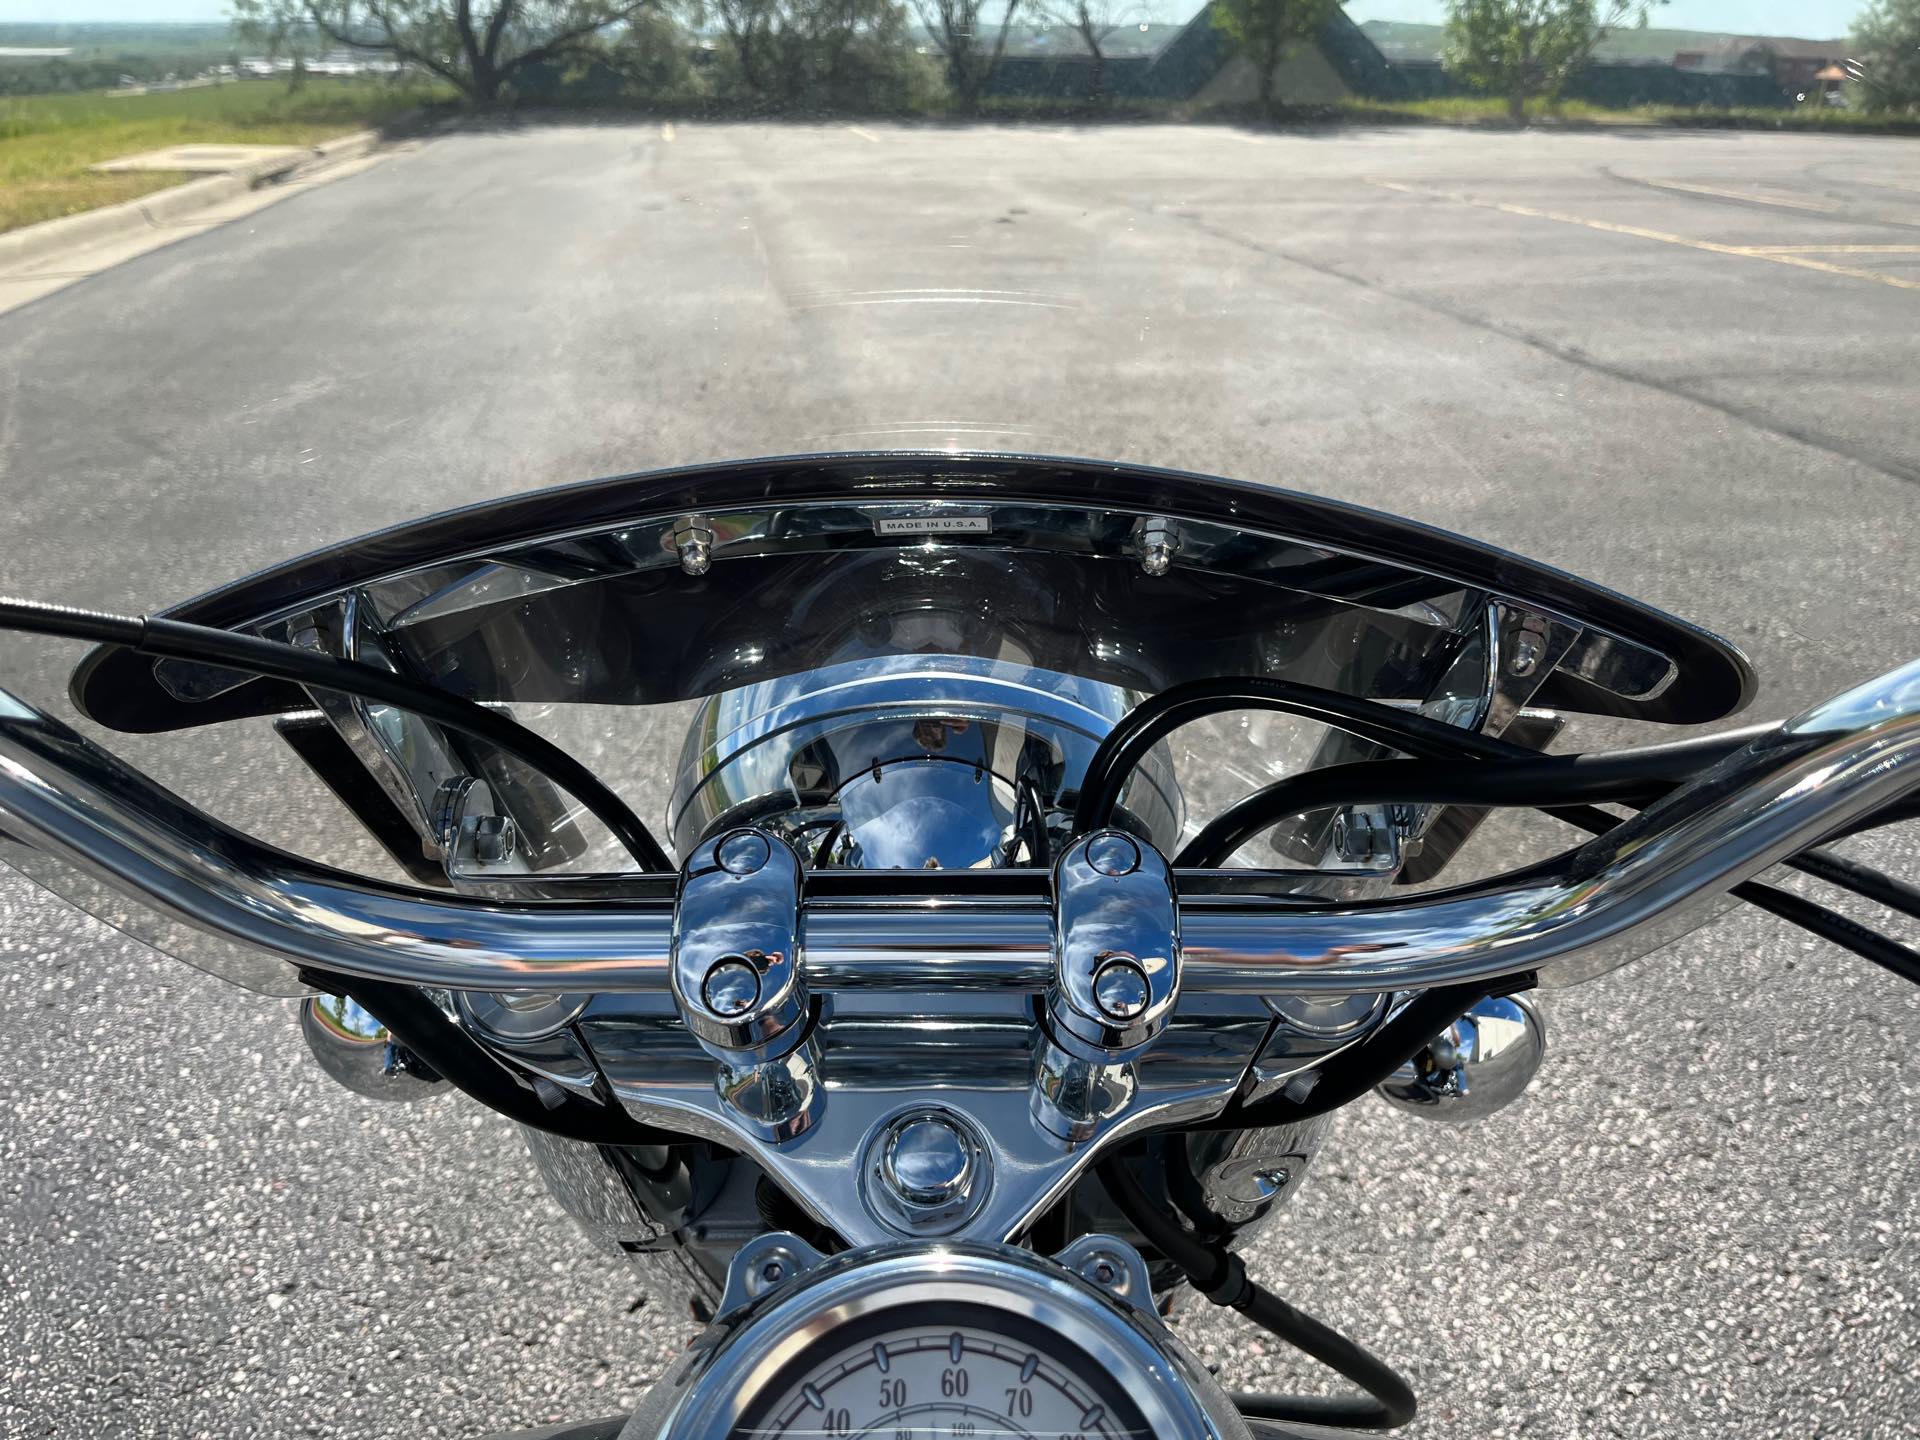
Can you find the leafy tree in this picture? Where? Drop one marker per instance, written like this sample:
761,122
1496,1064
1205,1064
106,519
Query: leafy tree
477,46
1886,41
1523,49
753,29
957,27
1265,30
651,57
1093,21
796,50
285,34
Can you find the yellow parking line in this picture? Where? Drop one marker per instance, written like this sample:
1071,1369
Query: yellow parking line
666,132
1690,189
1835,249
867,135
1748,251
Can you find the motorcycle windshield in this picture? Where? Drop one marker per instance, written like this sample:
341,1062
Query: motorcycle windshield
906,661
656,588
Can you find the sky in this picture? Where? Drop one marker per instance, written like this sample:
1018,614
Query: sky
1815,19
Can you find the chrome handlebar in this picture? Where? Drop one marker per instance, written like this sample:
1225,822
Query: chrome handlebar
1620,895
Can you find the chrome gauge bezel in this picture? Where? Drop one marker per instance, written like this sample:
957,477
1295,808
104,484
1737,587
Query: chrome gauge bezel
806,1315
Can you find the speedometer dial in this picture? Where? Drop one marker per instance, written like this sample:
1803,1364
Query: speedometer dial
970,1376
939,1342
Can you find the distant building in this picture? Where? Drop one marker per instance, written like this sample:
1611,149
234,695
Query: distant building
1795,65
1196,62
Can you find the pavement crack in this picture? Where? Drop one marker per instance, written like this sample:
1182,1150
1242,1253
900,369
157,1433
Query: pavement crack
1710,195
1569,354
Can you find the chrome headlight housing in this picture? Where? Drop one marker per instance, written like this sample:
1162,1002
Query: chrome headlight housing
924,761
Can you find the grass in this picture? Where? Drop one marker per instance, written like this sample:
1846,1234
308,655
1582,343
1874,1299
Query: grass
1487,110
48,141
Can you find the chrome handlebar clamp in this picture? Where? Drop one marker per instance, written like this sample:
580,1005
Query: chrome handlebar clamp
1116,970
736,947
736,973
1116,979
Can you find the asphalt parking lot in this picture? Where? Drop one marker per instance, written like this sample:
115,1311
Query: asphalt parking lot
1682,364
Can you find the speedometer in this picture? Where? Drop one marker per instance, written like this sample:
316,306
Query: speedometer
975,1373
938,1342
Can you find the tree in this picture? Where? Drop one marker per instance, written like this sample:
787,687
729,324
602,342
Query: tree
1093,21
1886,41
651,56
801,48
1265,30
284,34
1524,49
956,26
476,46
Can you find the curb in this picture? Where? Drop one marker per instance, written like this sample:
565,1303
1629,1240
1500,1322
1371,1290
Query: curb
169,206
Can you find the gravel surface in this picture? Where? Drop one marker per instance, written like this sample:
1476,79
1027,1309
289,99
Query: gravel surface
1701,1222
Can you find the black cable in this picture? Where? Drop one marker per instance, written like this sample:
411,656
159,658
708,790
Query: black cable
1392,1401
70,621
1413,782
825,851
1549,783
417,1023
1243,820
1635,776
1536,784
1144,726
1219,1275
1861,880
1350,1073
177,640
1832,926
1209,1269
1517,777
1353,1071
1405,730
1829,925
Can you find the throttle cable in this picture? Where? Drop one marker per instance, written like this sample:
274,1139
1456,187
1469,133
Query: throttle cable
254,655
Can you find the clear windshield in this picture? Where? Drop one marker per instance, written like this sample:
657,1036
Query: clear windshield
904,683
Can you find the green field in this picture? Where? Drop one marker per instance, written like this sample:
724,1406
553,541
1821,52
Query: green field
48,141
